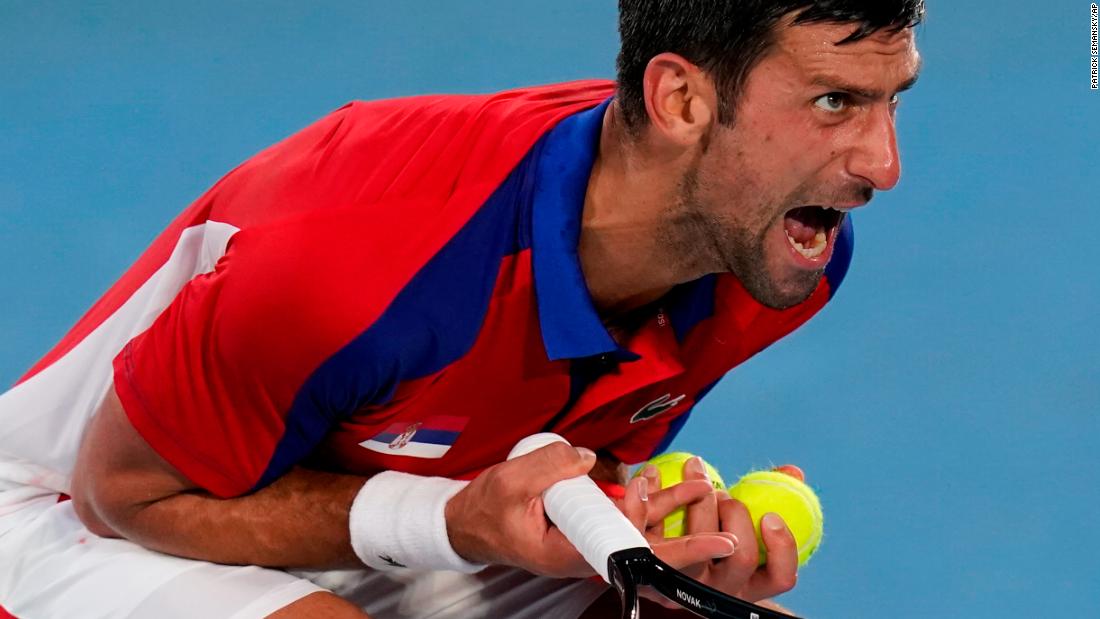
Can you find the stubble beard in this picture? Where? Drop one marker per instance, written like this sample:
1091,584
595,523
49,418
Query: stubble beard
724,244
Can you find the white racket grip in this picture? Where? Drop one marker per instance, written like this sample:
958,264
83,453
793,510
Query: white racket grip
583,513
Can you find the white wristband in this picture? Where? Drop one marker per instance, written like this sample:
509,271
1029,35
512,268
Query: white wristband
397,521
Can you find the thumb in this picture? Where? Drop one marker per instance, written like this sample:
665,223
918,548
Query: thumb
548,465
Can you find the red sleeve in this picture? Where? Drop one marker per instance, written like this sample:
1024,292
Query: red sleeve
210,383
213,381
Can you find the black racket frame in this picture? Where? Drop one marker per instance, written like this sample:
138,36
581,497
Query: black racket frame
635,567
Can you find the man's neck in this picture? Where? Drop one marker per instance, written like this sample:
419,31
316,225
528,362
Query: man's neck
625,263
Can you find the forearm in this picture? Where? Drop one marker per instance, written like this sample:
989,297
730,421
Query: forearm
300,520
123,488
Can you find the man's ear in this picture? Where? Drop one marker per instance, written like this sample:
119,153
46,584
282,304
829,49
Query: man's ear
680,100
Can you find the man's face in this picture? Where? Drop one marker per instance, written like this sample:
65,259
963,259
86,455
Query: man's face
813,128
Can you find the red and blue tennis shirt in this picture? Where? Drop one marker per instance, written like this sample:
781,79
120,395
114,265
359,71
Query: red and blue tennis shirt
397,287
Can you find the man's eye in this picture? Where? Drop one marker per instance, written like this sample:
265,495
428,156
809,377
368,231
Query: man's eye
832,102
894,100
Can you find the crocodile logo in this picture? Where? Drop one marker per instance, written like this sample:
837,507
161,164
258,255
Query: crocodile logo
656,407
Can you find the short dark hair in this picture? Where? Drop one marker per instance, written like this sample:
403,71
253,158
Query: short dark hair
727,38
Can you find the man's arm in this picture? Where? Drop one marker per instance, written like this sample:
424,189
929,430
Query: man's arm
123,488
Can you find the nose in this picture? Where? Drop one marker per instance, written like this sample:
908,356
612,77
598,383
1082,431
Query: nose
874,156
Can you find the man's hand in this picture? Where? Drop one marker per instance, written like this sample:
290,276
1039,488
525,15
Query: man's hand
714,511
499,517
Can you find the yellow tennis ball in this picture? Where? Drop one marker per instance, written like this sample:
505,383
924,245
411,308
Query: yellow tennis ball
671,467
783,493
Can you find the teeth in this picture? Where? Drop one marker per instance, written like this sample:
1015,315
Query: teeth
837,209
819,243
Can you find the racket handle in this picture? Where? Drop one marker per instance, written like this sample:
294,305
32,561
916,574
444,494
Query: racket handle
583,513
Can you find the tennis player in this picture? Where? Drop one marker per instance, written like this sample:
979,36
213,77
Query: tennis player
298,401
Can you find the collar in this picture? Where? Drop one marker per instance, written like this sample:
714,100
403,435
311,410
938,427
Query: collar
571,327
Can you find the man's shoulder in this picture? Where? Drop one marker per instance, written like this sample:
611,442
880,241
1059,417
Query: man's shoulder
429,149
372,194
524,101
465,129
367,196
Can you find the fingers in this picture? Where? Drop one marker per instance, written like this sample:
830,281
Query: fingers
736,519
500,518
712,551
780,573
733,572
634,505
548,465
701,516
656,523
663,502
682,552
792,470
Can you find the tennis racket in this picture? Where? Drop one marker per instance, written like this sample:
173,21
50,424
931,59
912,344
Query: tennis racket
621,555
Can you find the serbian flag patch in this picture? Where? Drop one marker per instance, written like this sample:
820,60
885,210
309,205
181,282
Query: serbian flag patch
430,438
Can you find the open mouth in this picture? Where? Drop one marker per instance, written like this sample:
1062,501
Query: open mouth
810,229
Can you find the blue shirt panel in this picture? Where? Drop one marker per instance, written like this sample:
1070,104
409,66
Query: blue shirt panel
432,322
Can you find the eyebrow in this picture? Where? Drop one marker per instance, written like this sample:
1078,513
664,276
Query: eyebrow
834,83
